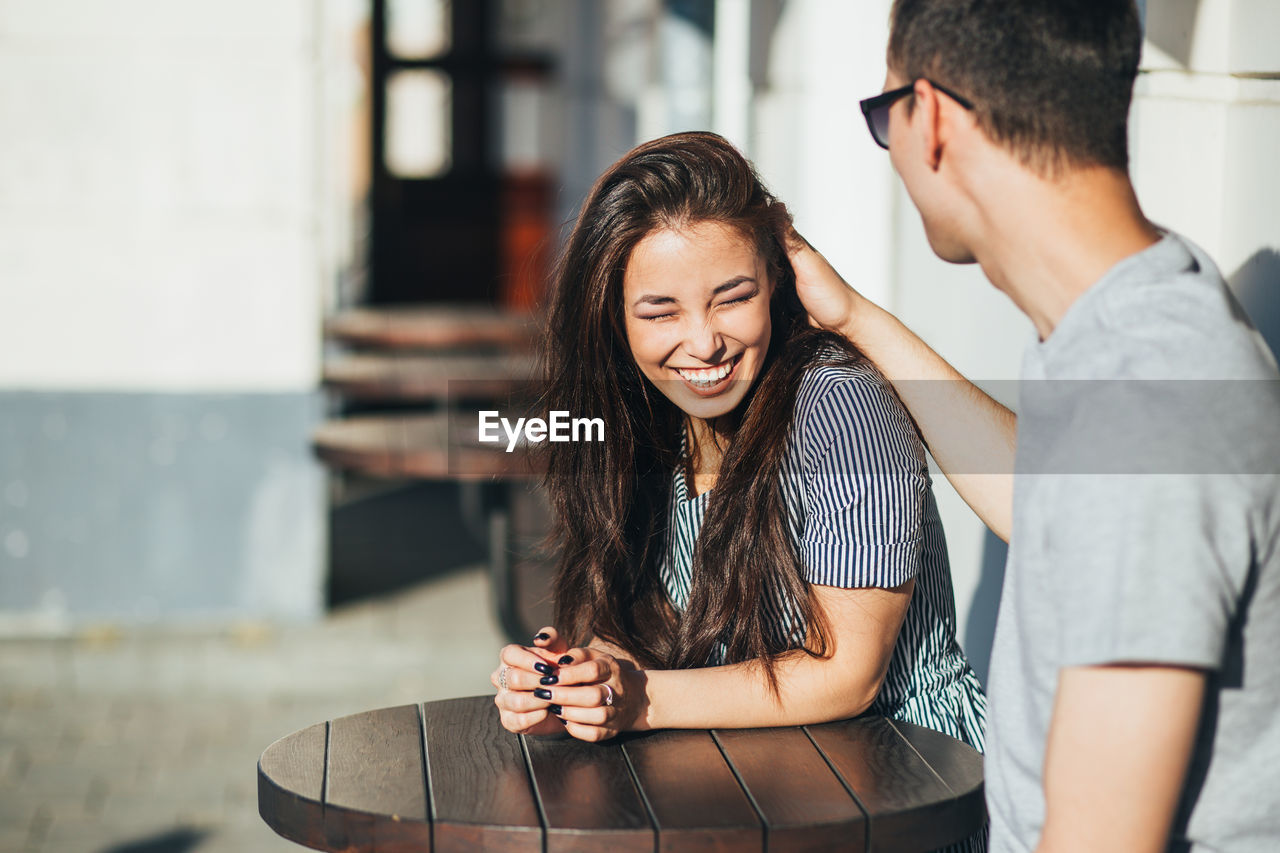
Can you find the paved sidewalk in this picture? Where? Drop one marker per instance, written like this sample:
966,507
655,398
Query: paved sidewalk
147,742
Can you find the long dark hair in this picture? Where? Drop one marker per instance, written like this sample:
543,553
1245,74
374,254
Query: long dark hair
610,498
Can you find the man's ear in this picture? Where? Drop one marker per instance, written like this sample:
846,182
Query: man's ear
927,113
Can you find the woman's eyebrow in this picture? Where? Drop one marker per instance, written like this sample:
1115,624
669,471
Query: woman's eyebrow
731,283
653,299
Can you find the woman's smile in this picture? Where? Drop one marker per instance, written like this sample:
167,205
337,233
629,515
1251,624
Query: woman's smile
710,381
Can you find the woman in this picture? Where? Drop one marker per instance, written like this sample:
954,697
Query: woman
755,542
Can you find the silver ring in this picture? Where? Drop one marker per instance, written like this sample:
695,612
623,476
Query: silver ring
608,700
502,678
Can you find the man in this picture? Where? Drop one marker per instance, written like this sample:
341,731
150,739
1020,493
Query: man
1135,674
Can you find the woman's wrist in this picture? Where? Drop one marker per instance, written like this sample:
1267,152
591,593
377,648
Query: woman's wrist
828,299
856,316
640,716
878,334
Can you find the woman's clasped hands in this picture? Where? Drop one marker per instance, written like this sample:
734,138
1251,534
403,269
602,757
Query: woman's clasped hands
548,688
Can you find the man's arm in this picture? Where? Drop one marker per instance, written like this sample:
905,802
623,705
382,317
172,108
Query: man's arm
1119,744
970,435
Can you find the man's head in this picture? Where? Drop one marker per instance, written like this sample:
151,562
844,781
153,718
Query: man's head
1049,80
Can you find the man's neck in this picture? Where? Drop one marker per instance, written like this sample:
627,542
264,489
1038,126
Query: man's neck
1045,242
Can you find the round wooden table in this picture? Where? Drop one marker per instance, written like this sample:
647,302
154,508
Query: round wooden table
446,776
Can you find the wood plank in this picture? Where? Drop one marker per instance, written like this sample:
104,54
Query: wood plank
481,795
960,767
804,805
401,376
375,784
432,327
587,797
433,446
291,785
692,793
909,806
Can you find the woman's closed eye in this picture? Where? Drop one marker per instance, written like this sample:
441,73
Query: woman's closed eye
737,300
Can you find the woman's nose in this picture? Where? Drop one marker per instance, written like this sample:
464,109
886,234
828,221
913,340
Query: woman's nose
705,343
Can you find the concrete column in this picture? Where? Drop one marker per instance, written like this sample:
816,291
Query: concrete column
731,85
1204,137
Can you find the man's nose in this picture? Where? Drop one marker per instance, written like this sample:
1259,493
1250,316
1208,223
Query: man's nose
705,343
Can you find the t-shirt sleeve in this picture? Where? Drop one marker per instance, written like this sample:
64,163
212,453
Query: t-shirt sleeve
1147,568
1140,536
865,486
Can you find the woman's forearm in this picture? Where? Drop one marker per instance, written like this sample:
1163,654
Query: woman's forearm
597,695
864,625
811,690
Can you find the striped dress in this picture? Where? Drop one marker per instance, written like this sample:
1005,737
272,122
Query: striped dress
863,513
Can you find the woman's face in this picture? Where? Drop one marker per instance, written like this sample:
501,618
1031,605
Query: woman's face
696,300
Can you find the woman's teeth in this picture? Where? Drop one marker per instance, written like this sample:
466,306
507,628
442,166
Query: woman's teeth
707,377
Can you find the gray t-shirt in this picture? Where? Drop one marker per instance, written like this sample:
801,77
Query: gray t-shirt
1146,528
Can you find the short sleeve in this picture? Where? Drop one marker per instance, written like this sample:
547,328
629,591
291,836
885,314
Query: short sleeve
1140,507
865,482
1147,568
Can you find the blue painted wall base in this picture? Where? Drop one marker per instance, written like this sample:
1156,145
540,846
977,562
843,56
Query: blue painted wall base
154,507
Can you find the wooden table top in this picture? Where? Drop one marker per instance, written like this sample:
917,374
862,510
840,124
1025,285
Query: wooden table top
446,776
432,327
434,446
404,376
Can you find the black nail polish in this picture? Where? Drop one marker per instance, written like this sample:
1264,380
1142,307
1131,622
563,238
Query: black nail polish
543,636
555,709
544,668
542,693
566,659
549,679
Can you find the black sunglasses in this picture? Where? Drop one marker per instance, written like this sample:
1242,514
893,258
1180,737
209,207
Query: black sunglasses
876,110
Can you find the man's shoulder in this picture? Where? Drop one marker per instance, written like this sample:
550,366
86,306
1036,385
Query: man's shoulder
1165,313
1158,372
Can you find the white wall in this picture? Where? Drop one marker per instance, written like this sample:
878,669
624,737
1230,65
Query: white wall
1205,130
809,140
176,199
160,178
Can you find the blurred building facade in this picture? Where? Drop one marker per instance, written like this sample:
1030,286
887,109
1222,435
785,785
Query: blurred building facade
166,186
186,191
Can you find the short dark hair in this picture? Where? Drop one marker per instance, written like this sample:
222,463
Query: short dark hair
1051,80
